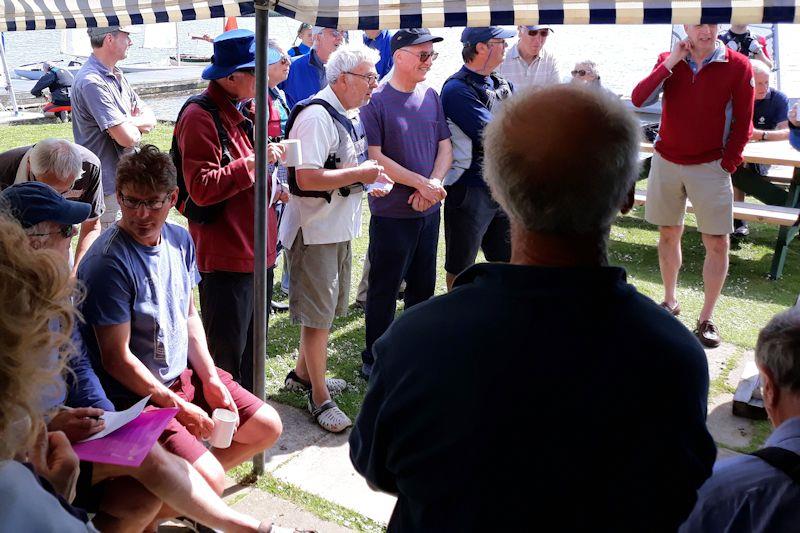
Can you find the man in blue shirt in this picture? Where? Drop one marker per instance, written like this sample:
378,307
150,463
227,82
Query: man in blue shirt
756,493
770,123
472,219
307,74
380,40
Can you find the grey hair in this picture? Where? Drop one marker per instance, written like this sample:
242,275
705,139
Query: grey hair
592,66
97,40
760,66
58,157
573,179
345,59
778,349
273,43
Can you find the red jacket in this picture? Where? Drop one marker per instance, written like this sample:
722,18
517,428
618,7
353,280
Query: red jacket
695,116
227,244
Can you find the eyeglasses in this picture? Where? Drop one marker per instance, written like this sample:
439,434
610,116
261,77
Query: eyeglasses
284,60
336,33
67,231
540,33
371,78
582,73
502,42
423,56
152,205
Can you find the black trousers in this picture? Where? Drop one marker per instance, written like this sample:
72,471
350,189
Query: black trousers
226,308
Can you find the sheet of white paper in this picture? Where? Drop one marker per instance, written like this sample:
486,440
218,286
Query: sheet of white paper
273,180
115,420
380,186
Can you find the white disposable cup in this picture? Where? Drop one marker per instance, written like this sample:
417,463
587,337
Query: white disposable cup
293,154
224,427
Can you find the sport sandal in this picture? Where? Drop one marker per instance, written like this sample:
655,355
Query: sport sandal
329,416
294,383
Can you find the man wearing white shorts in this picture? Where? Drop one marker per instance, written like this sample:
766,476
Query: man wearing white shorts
707,110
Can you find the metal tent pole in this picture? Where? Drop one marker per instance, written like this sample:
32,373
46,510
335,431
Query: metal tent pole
260,315
776,66
9,88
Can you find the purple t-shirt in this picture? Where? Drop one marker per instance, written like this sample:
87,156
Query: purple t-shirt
408,127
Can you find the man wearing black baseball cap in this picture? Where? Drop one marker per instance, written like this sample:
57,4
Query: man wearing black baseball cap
407,134
472,219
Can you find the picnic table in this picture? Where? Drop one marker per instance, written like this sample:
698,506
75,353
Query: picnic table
780,193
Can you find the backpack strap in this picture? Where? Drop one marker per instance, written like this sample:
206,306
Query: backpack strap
784,460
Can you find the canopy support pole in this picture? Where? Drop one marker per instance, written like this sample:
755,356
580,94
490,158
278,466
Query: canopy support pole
9,88
260,303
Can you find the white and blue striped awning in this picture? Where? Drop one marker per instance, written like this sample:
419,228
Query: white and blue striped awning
20,15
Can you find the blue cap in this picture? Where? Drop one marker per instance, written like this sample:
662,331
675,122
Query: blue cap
273,56
233,50
472,36
33,202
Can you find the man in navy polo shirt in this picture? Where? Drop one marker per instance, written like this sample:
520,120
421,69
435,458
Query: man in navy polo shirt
472,219
770,123
307,75
408,135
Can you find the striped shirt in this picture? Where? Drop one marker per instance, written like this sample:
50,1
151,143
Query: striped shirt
541,72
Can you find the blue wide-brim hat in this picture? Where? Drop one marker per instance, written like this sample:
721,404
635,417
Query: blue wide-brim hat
233,50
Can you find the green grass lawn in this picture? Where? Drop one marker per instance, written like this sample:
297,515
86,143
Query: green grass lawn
749,298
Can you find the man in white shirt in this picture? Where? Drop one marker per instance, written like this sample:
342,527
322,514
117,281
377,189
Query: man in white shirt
324,215
527,63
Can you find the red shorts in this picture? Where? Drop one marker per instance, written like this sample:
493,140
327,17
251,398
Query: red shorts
176,438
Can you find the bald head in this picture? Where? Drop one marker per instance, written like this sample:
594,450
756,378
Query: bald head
562,159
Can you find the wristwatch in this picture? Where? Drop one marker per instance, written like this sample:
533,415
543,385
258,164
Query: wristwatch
763,135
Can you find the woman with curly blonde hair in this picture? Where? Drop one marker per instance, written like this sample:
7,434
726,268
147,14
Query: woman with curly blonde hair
35,291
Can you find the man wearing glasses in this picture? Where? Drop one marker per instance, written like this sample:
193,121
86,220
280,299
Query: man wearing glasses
527,63
70,169
472,219
307,75
408,135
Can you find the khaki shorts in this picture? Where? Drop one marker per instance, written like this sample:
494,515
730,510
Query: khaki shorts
319,277
708,187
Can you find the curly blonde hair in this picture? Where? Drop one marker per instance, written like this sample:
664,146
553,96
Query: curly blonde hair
35,291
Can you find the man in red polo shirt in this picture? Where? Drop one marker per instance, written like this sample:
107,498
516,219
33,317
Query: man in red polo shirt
221,181
707,109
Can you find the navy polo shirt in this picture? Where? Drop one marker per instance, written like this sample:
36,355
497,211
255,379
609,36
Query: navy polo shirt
770,111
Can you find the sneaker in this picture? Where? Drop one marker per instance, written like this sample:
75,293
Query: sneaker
708,334
740,229
366,370
360,304
329,416
294,383
279,307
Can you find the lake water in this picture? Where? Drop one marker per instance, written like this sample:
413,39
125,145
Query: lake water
623,53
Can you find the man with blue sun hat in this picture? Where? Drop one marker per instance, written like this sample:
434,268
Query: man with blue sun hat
213,152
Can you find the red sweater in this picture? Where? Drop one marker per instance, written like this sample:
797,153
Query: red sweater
697,109
227,244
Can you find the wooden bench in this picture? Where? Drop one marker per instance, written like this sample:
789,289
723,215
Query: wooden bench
767,214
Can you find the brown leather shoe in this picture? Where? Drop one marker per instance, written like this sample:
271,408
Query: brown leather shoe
674,310
708,334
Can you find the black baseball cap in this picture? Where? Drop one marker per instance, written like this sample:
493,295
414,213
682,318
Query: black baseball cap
33,202
412,36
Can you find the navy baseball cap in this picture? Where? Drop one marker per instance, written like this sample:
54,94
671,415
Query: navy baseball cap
33,202
233,50
412,36
472,36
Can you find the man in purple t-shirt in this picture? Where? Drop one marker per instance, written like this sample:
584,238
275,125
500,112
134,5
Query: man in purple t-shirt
408,135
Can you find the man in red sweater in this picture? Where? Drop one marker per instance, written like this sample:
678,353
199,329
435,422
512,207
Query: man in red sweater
707,109
224,179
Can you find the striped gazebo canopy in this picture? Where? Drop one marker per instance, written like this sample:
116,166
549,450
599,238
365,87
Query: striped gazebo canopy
19,15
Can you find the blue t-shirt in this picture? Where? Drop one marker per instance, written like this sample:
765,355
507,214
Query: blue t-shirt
383,44
408,127
148,286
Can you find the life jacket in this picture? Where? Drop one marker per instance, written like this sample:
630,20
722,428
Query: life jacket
351,132
189,209
464,151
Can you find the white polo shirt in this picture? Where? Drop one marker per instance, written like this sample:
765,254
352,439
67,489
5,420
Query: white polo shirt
541,72
322,222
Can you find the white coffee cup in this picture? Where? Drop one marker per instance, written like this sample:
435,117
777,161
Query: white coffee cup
224,428
293,154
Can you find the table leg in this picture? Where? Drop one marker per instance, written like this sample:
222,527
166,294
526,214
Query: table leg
786,234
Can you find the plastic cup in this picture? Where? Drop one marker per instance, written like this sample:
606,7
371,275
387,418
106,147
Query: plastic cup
293,154
224,428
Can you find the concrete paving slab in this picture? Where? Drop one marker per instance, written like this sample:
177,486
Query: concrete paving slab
718,357
299,433
265,506
324,469
23,117
728,430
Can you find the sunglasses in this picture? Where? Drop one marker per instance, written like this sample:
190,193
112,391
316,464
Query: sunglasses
423,56
581,73
67,231
540,33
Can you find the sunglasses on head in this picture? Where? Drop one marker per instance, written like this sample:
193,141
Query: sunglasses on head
541,33
581,72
